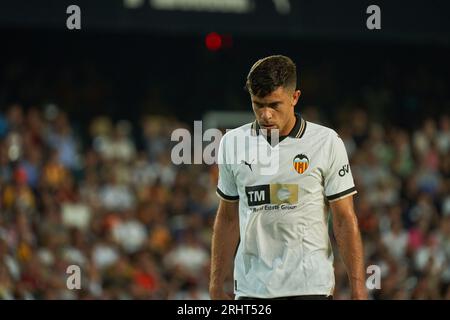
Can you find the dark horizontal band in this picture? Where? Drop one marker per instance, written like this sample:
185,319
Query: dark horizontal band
226,197
341,194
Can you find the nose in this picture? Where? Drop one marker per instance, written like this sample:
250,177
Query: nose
266,115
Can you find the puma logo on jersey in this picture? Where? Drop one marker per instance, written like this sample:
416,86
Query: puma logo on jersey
247,164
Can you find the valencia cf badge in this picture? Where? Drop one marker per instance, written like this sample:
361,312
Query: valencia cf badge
301,163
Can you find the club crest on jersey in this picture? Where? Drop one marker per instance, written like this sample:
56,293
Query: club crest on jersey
301,163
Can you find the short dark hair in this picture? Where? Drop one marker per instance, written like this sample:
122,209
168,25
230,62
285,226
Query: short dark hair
269,73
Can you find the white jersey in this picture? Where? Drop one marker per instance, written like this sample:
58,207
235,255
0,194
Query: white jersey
284,247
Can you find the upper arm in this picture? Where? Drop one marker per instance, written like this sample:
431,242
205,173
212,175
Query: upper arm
226,187
228,210
338,176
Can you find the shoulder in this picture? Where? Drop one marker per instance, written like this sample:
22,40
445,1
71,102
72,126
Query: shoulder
319,133
242,131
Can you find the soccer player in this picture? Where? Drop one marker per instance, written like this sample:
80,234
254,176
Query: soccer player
275,226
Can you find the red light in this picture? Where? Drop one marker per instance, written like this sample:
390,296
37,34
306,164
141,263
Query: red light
213,41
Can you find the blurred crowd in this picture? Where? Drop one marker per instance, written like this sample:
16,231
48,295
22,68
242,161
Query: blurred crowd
139,227
403,206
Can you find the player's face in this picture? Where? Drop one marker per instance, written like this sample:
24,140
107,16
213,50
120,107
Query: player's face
276,110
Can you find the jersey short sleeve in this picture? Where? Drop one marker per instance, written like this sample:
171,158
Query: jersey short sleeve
226,188
338,178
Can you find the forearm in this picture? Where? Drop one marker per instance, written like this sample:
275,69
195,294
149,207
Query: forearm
351,249
224,242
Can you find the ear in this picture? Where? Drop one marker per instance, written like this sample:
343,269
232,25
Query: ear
296,96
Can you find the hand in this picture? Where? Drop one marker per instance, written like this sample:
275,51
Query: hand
219,294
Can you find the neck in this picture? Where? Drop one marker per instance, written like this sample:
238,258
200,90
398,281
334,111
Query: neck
289,125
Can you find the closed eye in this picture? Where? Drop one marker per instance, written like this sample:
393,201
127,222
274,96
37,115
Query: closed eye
272,105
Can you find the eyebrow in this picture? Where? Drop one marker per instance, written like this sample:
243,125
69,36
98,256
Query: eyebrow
270,104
